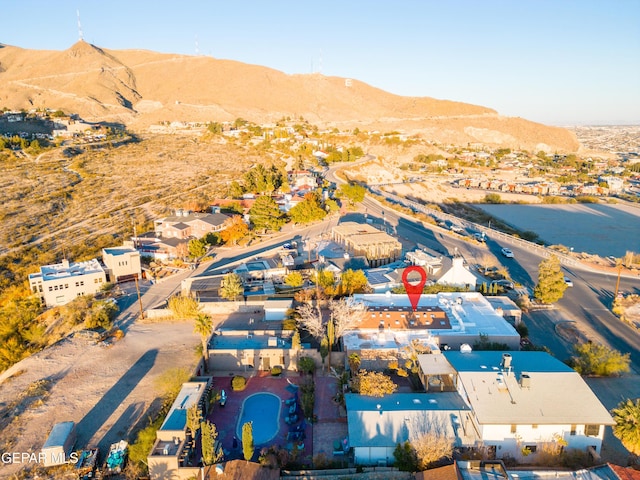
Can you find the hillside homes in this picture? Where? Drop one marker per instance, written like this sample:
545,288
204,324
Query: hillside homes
186,224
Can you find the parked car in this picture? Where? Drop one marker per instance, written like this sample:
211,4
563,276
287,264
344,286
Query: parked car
507,252
568,281
480,237
506,284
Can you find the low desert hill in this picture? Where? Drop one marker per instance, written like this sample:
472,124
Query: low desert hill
140,88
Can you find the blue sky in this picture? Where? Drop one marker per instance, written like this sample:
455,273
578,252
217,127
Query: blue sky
559,62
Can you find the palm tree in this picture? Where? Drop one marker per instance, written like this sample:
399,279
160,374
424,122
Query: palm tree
627,427
202,326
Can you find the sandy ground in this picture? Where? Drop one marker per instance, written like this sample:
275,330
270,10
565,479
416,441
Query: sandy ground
107,391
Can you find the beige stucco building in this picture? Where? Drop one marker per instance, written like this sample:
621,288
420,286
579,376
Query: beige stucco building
122,263
60,283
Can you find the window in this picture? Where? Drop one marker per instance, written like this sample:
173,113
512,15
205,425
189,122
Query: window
82,284
66,285
573,430
592,430
50,288
95,280
514,428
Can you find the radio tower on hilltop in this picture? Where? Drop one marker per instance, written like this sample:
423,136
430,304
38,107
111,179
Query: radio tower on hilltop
80,36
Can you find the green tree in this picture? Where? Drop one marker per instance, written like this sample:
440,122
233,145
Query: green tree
373,384
210,454
247,441
594,359
331,206
295,341
197,248
309,210
231,286
183,307
236,190
354,363
353,281
306,365
627,427
203,326
551,284
351,192
492,198
266,215
405,456
215,128
294,279
194,418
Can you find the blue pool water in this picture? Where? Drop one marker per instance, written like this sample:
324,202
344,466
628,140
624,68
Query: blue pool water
263,409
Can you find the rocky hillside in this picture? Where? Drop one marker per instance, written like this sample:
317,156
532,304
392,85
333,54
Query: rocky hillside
140,88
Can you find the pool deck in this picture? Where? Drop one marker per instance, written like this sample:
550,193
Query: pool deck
319,436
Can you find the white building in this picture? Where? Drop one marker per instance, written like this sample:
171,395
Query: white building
60,283
446,320
122,263
459,275
522,402
377,425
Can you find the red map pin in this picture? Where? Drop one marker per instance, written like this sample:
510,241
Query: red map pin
414,291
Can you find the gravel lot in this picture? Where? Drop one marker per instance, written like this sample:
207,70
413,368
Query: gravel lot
106,390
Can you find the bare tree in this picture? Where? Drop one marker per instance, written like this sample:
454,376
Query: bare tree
311,320
431,441
345,315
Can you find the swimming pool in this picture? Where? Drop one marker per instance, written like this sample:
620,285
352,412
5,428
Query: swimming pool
263,409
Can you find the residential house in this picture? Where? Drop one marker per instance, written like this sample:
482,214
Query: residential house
60,283
377,425
249,350
122,263
302,180
459,275
173,453
160,248
523,402
185,224
441,321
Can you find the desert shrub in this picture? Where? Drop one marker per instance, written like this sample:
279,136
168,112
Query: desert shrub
276,370
238,383
593,359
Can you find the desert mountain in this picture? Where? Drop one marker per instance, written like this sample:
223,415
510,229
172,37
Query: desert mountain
140,88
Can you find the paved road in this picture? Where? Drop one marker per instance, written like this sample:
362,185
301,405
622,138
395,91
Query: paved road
587,303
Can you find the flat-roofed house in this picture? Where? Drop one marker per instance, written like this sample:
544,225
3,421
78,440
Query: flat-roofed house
169,457
60,283
446,320
523,401
377,425
122,263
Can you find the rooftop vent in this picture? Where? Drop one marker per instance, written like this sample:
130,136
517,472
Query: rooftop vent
506,360
525,380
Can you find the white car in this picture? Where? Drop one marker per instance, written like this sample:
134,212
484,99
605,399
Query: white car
507,252
568,281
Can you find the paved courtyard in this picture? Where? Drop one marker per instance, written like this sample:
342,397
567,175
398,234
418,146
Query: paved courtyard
319,436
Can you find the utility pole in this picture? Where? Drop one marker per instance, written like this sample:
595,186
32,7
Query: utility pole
139,298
